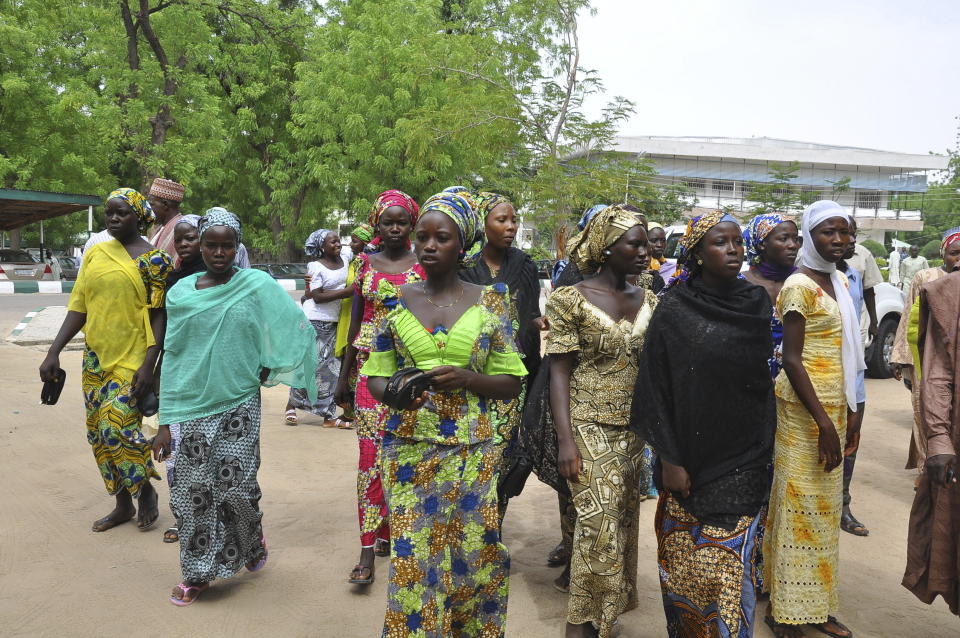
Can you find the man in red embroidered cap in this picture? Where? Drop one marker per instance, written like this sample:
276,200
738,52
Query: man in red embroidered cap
165,196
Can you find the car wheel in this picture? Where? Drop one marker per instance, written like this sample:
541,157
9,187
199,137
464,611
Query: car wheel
878,355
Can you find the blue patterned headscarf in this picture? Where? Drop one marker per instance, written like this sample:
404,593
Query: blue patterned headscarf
588,215
193,220
218,216
757,230
461,208
137,202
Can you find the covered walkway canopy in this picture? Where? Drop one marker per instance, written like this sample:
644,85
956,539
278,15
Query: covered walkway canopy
19,208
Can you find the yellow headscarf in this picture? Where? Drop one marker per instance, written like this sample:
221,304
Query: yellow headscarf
585,249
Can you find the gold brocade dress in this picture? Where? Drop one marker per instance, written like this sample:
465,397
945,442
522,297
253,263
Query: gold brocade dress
801,542
603,565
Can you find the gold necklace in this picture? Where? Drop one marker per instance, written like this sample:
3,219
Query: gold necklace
423,287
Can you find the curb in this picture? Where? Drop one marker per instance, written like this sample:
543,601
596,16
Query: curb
61,287
20,327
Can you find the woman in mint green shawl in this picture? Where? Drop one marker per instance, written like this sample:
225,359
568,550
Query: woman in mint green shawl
229,331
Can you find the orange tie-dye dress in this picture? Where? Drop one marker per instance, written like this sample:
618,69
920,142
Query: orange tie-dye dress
801,543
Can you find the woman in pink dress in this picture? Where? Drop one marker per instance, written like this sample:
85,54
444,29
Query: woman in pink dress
393,218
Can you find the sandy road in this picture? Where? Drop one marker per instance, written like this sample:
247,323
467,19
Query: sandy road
59,578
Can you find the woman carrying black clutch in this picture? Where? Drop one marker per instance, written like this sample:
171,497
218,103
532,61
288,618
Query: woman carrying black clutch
439,458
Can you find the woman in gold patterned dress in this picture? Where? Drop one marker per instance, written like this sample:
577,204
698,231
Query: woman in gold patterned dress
902,360
816,390
595,329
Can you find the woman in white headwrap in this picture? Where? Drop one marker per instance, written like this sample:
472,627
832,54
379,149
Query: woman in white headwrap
816,390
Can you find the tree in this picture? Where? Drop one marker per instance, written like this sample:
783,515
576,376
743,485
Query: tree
778,195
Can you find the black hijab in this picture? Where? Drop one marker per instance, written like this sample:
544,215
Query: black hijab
185,270
520,274
704,398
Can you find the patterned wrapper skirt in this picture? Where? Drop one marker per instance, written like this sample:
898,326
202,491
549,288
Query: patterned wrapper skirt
707,573
122,453
801,544
369,419
448,569
328,371
215,495
603,565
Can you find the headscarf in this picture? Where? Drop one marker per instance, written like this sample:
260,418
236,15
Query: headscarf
487,201
588,215
385,200
696,229
460,207
602,230
313,246
652,225
852,347
363,232
193,220
754,233
137,202
949,237
218,216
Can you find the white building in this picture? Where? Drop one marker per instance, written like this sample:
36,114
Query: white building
720,170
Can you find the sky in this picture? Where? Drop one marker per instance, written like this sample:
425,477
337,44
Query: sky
878,74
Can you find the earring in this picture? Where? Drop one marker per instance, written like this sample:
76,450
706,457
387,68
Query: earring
699,261
607,253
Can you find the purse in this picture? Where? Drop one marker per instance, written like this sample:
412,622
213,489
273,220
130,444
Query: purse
50,392
406,386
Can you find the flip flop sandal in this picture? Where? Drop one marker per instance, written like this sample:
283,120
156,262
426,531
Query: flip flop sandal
360,581
558,557
260,564
107,520
186,589
290,418
382,548
172,535
345,424
329,423
830,619
149,524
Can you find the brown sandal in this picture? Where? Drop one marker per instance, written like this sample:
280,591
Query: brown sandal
358,570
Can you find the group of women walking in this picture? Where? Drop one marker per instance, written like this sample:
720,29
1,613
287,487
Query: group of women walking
427,332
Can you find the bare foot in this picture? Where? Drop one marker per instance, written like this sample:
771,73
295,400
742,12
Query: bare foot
122,513
832,627
147,510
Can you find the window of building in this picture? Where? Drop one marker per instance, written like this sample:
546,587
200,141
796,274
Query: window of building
696,184
723,187
868,199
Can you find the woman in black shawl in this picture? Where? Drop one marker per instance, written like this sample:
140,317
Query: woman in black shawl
704,401
500,262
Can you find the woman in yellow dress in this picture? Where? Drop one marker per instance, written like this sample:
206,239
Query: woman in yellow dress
117,302
822,354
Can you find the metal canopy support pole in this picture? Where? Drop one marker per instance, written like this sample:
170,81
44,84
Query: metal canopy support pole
89,221
42,254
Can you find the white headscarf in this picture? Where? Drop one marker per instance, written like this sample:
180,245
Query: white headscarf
852,349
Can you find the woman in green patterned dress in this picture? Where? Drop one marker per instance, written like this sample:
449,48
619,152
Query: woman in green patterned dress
448,568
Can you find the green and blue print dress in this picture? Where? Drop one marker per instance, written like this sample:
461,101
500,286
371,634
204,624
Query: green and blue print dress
448,568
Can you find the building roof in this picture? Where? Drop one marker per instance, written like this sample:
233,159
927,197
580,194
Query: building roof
775,150
21,207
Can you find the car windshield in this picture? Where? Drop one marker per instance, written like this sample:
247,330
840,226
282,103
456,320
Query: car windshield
12,256
673,247
285,269
67,262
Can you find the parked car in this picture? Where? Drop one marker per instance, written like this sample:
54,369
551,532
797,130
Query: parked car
283,271
19,265
890,301
69,267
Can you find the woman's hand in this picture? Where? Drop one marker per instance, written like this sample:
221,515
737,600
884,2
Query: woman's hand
540,323
897,370
675,478
828,446
142,382
49,367
419,401
451,377
341,395
569,460
161,444
854,421
941,468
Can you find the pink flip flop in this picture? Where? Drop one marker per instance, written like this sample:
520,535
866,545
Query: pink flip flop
186,589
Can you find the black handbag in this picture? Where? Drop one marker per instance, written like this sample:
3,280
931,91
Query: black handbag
537,438
50,392
149,403
406,386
